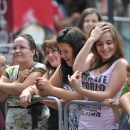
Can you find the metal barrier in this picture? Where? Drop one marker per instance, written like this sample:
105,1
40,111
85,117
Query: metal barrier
48,98
66,108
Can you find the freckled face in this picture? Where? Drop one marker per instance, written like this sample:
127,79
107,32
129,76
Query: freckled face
89,22
67,53
105,46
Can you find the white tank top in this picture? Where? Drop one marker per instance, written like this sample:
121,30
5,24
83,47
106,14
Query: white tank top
97,117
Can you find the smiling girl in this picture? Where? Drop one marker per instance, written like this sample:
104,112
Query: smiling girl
24,53
70,42
53,60
104,73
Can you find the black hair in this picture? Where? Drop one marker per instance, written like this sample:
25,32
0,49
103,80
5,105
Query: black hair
76,39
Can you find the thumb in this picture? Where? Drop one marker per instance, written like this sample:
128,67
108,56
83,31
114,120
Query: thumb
69,78
29,99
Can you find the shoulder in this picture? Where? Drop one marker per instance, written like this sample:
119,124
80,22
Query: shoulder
121,62
38,67
120,65
11,69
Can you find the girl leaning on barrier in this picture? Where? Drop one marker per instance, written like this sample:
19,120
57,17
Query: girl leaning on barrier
53,60
104,71
15,79
70,42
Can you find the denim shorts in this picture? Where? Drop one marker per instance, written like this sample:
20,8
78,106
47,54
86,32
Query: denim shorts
123,125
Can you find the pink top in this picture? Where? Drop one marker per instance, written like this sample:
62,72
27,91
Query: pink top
97,117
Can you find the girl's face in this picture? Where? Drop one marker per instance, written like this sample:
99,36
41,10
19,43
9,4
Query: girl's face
67,53
53,57
21,51
89,22
3,64
128,80
105,46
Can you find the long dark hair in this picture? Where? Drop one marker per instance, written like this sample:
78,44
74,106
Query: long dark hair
76,39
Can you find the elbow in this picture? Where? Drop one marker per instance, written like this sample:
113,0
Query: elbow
3,98
78,67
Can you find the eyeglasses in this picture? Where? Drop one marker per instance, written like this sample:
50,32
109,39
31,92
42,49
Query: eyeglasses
20,48
53,52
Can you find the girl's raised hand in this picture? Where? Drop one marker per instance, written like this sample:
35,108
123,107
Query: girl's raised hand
99,29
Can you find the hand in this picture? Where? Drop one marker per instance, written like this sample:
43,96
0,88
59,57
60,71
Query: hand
109,101
25,97
43,84
75,16
22,75
76,81
42,93
99,29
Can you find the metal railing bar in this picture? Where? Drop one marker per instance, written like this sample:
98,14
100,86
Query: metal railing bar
58,105
66,108
116,18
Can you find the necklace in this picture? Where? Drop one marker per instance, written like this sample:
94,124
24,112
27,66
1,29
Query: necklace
100,71
104,68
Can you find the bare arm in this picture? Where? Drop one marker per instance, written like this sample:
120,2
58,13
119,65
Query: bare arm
115,83
16,88
4,95
116,111
53,86
125,103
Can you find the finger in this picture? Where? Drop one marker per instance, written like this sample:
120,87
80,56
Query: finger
37,79
74,75
80,75
25,103
21,101
69,78
29,99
